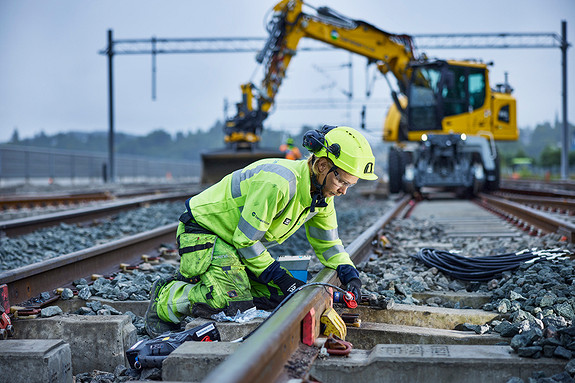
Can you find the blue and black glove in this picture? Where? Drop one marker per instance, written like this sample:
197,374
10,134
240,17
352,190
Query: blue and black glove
349,277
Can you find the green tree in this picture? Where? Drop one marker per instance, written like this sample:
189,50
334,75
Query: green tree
550,156
15,137
543,135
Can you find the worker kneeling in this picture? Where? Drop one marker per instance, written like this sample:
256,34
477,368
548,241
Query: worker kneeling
224,234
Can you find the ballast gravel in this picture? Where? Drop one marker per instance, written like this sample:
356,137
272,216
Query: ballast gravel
63,239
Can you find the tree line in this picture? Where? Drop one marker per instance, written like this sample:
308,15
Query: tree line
156,144
542,144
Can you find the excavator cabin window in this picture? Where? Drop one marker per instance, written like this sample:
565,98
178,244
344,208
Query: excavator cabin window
439,90
423,103
453,92
476,88
463,91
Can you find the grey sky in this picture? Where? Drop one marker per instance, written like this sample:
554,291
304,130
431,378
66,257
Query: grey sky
52,78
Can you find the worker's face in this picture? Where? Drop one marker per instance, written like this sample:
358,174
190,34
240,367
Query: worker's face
337,182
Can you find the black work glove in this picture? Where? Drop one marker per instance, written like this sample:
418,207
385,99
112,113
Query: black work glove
287,283
349,277
354,286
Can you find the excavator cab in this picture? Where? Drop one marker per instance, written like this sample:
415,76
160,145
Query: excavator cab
452,97
449,99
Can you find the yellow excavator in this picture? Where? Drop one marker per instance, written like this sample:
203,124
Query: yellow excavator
443,121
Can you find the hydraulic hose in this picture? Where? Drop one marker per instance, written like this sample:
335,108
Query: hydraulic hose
481,268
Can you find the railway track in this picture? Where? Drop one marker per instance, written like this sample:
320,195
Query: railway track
530,219
25,225
35,202
27,282
271,344
44,200
523,186
264,355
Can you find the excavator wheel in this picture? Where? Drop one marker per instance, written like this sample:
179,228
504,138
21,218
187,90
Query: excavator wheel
494,185
396,168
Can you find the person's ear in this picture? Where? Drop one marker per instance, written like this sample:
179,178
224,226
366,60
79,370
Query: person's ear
322,164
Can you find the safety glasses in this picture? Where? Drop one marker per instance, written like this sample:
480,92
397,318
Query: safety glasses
341,182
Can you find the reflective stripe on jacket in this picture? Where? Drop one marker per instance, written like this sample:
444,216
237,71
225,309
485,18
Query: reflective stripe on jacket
262,205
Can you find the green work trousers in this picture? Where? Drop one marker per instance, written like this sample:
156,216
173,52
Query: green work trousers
220,280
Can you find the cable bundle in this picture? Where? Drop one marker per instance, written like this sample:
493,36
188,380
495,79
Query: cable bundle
479,268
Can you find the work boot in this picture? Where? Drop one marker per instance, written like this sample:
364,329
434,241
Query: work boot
154,325
203,310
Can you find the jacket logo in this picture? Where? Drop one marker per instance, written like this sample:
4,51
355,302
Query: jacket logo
286,221
258,218
368,168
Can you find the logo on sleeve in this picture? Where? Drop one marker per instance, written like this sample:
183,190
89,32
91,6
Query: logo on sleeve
286,221
258,218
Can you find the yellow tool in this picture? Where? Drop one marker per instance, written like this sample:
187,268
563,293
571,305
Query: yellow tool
333,323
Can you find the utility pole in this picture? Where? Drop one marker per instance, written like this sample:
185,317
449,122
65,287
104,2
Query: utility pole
110,53
565,132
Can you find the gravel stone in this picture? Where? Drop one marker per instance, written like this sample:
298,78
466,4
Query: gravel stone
565,310
506,329
562,352
504,306
531,352
85,293
50,311
67,294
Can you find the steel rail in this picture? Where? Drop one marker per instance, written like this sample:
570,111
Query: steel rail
75,197
549,192
263,355
20,201
542,189
560,203
31,280
26,225
545,222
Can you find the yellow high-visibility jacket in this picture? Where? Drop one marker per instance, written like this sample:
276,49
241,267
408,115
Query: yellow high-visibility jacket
262,205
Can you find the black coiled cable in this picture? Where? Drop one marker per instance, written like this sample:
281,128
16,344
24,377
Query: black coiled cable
472,269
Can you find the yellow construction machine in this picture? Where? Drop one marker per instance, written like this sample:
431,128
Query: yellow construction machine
444,119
